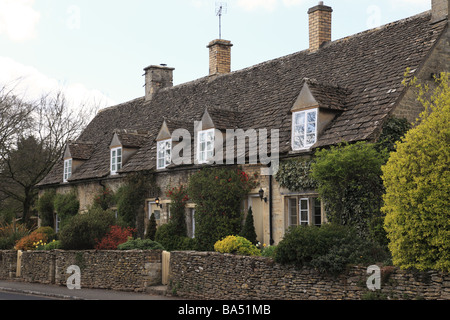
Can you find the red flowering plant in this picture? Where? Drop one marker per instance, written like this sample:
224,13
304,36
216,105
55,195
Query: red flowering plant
116,236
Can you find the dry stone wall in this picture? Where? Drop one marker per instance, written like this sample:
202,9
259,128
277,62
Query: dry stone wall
132,270
208,275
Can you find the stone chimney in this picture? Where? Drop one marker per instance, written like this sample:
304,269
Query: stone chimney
319,26
157,77
219,57
439,10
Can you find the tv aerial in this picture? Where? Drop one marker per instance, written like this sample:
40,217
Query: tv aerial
221,9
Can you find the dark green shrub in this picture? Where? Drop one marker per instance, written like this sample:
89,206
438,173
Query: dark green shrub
329,248
45,208
166,235
130,199
218,194
48,231
349,183
66,206
84,230
151,228
248,231
139,244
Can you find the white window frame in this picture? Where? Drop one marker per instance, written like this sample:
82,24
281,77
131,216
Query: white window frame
164,147
306,132
67,170
301,210
116,160
202,155
294,211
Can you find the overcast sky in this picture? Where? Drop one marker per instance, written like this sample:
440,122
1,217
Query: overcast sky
97,49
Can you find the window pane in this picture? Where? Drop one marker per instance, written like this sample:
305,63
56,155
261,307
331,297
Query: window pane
317,212
310,139
312,116
293,219
300,118
311,128
300,130
299,142
304,212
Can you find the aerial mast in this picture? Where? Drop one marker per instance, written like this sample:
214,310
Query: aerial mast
221,9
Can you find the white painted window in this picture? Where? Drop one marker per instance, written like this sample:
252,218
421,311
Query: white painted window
116,160
67,169
205,148
304,129
164,153
304,211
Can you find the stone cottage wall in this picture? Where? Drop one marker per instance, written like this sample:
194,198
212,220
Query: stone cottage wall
208,275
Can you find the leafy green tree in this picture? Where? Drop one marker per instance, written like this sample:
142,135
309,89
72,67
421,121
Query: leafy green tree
417,182
349,182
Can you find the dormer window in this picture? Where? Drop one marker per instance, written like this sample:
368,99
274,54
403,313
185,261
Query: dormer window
164,153
304,129
205,149
67,170
116,160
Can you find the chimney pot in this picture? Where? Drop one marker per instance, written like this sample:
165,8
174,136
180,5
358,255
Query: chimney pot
219,57
319,26
156,78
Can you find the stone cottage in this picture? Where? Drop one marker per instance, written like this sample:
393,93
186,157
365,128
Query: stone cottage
333,91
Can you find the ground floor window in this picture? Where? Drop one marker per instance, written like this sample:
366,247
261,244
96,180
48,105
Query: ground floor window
303,211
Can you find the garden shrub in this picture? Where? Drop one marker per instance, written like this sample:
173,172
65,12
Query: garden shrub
329,248
349,183
53,245
236,245
140,244
151,228
166,235
218,194
105,199
82,230
248,230
269,251
45,208
48,231
30,241
66,206
130,199
417,182
116,236
10,235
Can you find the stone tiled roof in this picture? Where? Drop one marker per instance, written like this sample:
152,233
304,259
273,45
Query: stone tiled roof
81,150
359,76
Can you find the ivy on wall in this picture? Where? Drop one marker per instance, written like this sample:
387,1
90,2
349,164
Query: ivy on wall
294,174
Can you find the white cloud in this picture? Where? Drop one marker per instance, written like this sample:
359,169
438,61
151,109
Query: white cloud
18,19
30,84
